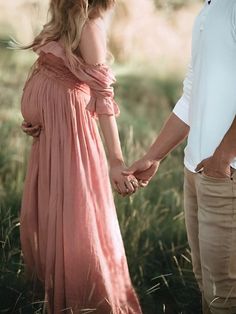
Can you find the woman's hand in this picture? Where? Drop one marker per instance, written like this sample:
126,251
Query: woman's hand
124,185
31,130
143,170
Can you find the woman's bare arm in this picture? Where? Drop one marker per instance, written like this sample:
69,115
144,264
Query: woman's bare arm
93,51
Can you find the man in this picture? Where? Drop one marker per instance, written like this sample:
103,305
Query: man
206,115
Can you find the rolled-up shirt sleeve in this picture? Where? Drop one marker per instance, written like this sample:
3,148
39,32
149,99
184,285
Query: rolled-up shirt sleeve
181,109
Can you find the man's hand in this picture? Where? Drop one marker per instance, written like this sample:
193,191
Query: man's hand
218,165
144,170
171,135
215,166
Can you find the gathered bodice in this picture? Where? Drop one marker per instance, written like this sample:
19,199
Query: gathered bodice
53,67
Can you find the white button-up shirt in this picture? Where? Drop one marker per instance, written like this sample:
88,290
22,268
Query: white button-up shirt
208,103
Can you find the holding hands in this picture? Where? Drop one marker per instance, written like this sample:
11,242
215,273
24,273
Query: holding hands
171,135
124,185
143,169
127,181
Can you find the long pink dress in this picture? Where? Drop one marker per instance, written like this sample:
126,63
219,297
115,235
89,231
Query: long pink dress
69,230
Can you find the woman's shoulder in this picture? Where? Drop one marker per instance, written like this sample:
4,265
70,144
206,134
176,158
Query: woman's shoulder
93,42
96,25
94,31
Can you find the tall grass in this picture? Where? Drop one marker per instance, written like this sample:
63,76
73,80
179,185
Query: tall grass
152,221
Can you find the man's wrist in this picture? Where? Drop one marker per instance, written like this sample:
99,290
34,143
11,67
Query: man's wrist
153,156
225,156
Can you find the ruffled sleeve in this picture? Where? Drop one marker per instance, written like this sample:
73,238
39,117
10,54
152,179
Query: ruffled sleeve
99,78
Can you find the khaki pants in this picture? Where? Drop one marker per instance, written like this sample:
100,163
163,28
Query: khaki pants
210,214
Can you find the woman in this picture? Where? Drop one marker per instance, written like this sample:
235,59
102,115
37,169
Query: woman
69,230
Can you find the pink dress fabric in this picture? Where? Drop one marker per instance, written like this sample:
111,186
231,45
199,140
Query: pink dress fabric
69,230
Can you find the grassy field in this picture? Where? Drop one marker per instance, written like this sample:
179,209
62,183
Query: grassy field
152,221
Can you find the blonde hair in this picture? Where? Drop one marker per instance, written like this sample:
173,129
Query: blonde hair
67,18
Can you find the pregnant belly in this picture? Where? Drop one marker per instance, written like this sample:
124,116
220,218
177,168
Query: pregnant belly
31,104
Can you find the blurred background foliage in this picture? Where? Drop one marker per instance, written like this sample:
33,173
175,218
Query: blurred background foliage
150,41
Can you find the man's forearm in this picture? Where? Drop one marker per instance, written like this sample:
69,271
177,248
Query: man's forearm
172,134
227,148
